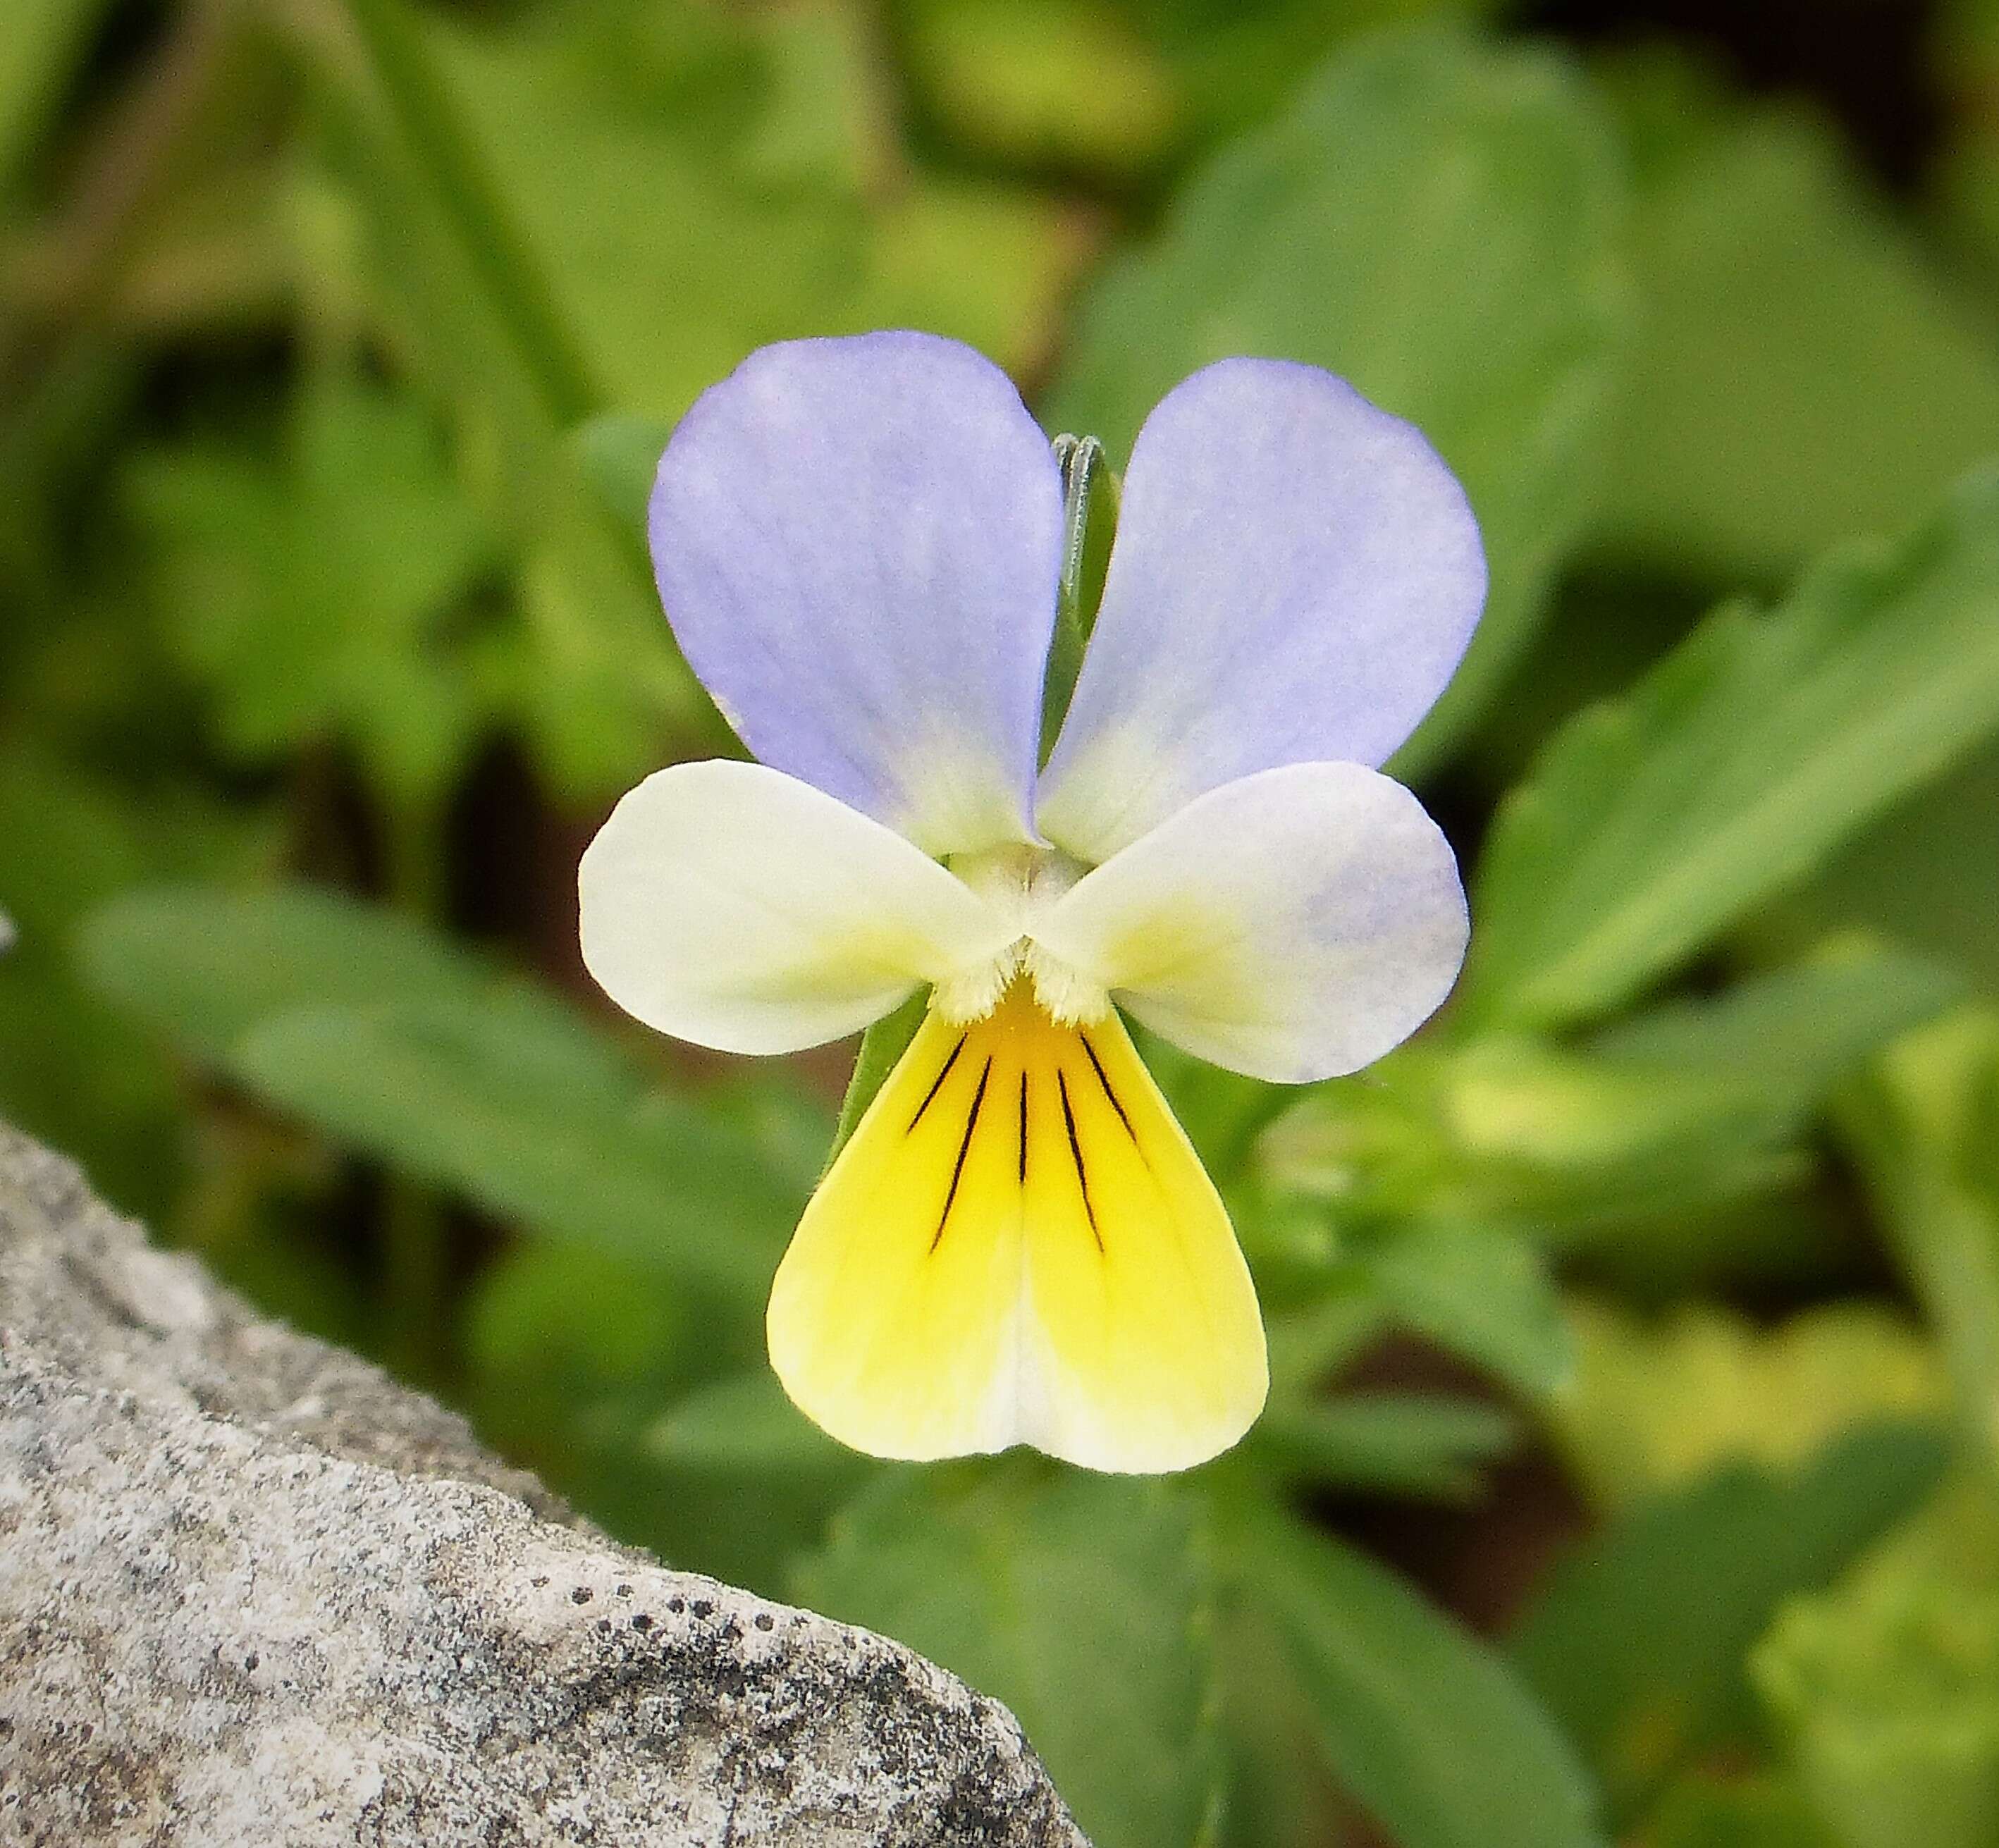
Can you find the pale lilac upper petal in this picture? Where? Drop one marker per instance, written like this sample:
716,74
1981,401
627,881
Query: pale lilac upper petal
1295,578
857,542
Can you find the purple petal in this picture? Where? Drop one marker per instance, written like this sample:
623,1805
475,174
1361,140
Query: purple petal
857,541
1296,576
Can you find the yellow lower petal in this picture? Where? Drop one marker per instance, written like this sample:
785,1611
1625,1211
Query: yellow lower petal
1020,1246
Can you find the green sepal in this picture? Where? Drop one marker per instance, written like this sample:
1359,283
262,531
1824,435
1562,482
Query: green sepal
1089,523
881,1047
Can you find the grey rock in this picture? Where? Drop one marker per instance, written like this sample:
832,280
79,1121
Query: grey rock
254,1592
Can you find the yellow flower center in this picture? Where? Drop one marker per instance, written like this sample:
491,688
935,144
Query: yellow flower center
1021,883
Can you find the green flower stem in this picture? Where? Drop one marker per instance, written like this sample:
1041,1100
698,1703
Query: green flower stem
429,117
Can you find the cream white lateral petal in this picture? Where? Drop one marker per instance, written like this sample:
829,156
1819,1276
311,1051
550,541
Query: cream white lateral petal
735,906
1293,925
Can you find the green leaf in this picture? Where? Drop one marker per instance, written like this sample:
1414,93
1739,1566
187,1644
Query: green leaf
1069,83
1313,1344
312,597
1079,1601
744,185
1119,89
75,1070
791,1124
1659,1171
1413,1444
1435,219
1237,61
1427,1729
1923,1128
575,1351
1658,1402
1700,1100
205,965
591,676
564,1325
1513,1132
1480,1291
1638,1643
1790,1035
743,1424
746,1528
1278,1793
733,1479
420,97
1649,825
526,1111
391,1038
1696,1105
1926,873
1783,307
1885,1687
620,454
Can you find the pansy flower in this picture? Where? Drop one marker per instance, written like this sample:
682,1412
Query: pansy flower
859,543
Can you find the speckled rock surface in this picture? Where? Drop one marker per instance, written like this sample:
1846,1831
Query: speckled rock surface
252,1592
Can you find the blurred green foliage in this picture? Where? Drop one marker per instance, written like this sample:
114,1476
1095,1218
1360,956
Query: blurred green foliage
1438,221
1642,1315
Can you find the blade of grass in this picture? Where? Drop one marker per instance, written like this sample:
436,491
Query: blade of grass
427,115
